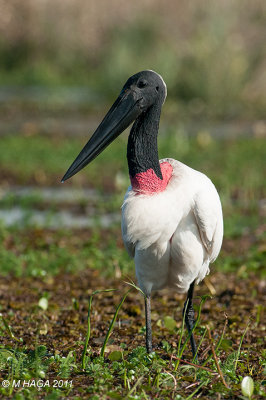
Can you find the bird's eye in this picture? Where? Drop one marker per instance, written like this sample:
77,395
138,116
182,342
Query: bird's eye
142,84
157,88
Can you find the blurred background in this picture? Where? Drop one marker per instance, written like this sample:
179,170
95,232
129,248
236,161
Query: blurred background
62,64
76,55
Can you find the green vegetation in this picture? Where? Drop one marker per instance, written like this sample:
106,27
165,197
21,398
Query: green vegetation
212,58
236,167
71,316
49,275
43,253
123,370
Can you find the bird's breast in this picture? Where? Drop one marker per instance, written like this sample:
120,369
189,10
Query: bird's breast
148,182
153,216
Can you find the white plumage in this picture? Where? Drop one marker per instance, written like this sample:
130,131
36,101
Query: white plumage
173,235
172,221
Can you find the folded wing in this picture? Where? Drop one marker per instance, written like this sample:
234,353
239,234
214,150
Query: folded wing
208,214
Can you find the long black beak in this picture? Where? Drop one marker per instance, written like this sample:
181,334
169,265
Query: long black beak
122,113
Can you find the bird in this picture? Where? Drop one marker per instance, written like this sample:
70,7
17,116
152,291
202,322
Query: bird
172,221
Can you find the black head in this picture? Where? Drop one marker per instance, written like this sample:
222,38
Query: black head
149,86
140,92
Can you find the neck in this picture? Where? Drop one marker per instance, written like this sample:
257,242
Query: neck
142,149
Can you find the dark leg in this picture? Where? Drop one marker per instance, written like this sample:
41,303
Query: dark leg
189,316
148,324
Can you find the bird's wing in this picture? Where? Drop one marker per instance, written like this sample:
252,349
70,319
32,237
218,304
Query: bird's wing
208,214
130,247
128,243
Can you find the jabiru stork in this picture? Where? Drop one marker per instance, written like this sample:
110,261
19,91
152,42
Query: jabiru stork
172,223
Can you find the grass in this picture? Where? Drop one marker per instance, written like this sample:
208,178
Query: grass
45,252
48,277
227,162
114,370
212,58
57,341
235,166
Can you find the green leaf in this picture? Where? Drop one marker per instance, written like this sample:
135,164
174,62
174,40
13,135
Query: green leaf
169,323
226,344
247,386
115,355
114,395
43,303
41,351
5,354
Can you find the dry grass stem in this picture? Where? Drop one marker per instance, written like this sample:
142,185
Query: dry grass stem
192,364
216,360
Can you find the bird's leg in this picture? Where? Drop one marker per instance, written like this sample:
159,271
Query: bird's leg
148,324
189,316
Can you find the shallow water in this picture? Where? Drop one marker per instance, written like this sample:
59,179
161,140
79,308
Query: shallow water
51,194
19,216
